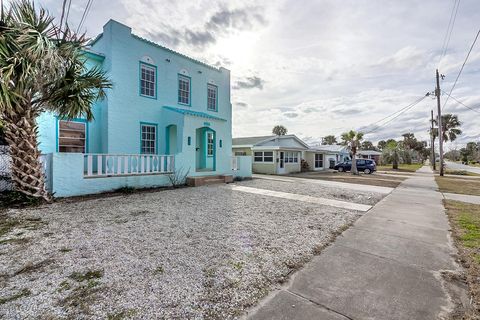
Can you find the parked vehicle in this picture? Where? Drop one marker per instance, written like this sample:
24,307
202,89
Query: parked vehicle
363,165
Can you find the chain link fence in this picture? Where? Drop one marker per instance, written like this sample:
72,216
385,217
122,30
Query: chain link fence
5,175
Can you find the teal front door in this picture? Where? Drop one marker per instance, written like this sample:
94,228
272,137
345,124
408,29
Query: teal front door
205,151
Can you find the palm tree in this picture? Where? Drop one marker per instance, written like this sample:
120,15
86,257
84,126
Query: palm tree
352,139
329,140
279,130
42,68
381,144
367,145
391,153
450,124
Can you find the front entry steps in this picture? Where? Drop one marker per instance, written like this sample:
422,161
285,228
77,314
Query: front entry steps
205,180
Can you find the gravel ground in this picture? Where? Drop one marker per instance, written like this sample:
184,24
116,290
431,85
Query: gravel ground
192,253
314,190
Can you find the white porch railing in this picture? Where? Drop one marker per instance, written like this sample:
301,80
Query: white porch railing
235,163
106,165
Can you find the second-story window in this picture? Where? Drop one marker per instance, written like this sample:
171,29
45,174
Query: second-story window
147,80
212,97
183,90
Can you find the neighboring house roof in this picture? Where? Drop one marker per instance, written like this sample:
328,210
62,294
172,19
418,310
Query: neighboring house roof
193,113
249,141
289,142
369,152
335,148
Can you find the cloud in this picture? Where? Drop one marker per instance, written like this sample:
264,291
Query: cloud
253,82
290,114
240,19
310,110
406,57
319,69
220,23
199,38
241,104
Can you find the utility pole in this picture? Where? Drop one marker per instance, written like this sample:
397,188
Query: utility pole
432,135
440,126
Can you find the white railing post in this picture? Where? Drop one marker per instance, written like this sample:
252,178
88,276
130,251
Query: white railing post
95,165
89,165
168,164
99,165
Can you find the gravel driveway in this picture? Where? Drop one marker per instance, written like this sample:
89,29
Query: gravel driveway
192,253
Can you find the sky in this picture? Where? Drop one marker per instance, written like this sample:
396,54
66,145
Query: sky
318,67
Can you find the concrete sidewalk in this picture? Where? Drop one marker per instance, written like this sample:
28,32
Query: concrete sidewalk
386,266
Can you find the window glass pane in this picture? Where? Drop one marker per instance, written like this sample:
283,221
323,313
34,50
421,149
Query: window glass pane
148,139
184,90
147,80
210,143
268,156
212,97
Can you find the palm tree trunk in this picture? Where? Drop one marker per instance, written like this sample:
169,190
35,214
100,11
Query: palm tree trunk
354,163
26,169
395,160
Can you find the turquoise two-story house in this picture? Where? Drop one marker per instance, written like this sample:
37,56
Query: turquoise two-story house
162,103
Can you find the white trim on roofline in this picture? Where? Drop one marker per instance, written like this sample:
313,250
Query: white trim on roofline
259,148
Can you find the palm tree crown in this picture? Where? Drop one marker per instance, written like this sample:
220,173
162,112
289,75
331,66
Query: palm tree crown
41,68
352,139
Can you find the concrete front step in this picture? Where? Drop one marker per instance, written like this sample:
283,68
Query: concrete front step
207,180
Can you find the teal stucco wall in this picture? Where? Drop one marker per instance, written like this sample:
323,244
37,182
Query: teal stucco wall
116,128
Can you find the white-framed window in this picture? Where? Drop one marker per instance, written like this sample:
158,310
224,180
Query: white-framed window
263,156
72,136
291,157
183,89
148,80
240,153
212,97
148,139
210,144
318,160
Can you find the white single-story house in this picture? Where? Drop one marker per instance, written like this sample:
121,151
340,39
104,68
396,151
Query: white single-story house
325,156
284,154
272,154
369,154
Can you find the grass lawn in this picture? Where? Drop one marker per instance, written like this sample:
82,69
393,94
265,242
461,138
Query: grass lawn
460,172
401,167
462,186
465,221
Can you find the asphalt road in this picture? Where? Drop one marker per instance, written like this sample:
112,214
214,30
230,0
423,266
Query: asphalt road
459,166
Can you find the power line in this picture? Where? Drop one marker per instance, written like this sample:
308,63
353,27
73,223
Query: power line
396,111
68,12
400,112
460,102
85,13
451,24
461,69
63,13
